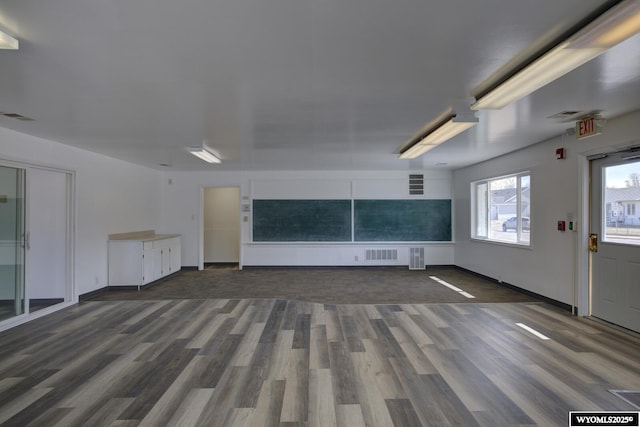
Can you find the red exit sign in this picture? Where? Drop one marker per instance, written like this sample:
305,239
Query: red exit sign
588,126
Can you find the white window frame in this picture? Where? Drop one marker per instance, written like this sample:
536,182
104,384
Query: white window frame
481,210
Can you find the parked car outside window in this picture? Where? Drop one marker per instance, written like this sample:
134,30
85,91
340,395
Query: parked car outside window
512,223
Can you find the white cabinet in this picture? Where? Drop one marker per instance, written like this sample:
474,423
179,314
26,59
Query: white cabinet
166,257
136,259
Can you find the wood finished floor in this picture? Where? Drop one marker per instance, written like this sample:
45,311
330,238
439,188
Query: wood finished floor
277,362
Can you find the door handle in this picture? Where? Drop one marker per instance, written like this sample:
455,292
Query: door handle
593,242
27,245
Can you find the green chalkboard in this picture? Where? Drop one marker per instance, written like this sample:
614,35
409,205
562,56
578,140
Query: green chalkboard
302,220
402,220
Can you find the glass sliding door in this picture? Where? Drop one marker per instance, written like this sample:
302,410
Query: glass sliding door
13,241
48,230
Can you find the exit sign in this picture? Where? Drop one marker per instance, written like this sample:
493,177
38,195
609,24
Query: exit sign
588,126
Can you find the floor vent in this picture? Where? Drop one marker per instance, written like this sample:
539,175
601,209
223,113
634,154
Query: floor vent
381,255
416,259
416,185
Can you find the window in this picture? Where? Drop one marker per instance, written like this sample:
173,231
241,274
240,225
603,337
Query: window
621,195
631,209
501,209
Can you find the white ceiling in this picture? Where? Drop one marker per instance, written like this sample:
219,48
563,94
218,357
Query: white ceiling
292,84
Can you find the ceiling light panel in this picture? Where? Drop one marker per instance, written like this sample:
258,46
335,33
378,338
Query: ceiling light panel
205,155
615,25
438,135
8,42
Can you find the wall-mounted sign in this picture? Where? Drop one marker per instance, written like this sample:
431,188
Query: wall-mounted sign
588,126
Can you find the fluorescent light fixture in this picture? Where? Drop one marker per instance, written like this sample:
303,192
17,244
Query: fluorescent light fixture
425,141
204,154
8,42
612,27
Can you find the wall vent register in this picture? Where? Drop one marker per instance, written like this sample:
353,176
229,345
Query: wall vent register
381,255
416,185
416,259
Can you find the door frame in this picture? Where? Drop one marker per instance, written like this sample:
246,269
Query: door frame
583,283
71,296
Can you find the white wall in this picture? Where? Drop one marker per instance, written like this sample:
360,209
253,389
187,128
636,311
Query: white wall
182,211
111,196
550,266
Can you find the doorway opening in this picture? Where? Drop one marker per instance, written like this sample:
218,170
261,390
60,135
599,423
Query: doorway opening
221,227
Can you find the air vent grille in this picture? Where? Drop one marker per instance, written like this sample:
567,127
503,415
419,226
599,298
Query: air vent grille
416,185
571,115
416,259
381,255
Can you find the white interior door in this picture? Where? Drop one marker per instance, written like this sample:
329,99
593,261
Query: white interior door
221,225
615,251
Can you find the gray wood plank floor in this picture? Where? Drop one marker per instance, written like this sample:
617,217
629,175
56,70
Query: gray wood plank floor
277,362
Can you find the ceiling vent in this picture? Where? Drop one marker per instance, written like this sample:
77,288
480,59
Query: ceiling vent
416,185
571,115
17,116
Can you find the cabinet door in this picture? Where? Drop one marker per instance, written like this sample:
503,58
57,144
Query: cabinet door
147,262
166,260
176,261
157,261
